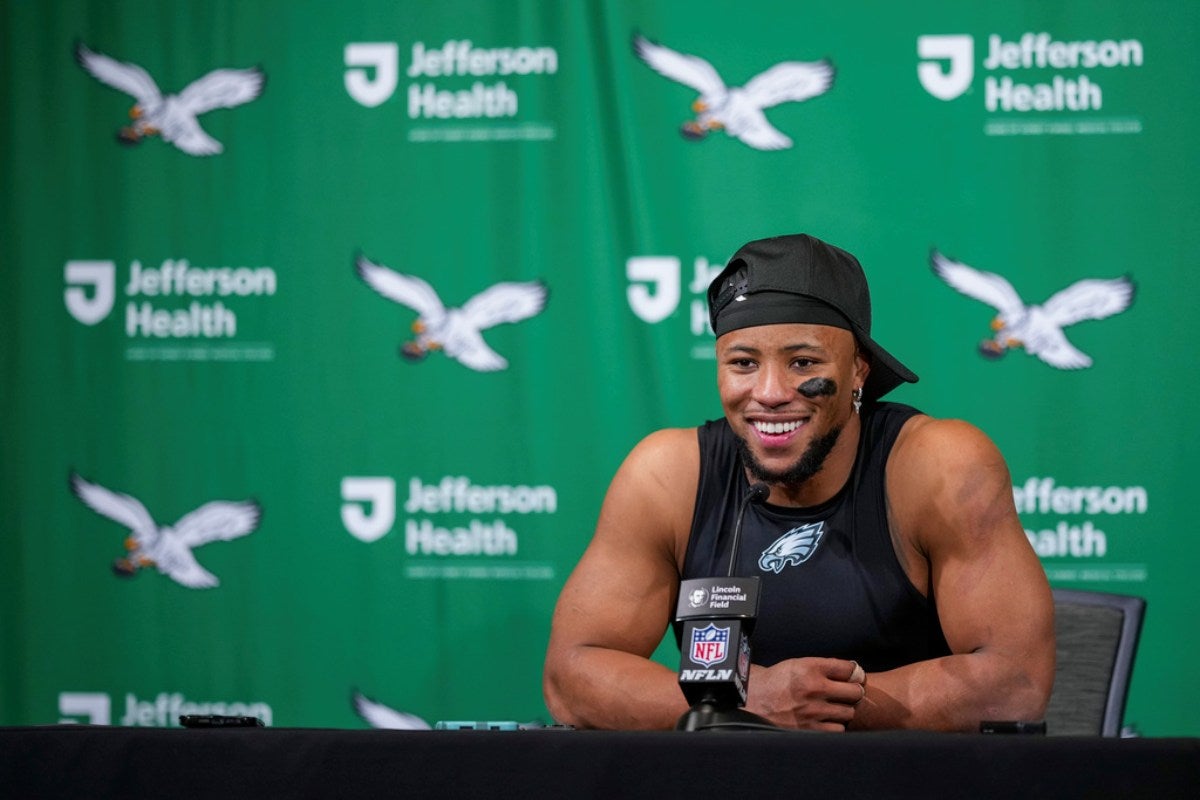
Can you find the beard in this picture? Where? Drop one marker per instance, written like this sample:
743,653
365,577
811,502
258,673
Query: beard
810,462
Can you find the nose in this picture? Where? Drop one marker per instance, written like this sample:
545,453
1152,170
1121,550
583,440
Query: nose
774,386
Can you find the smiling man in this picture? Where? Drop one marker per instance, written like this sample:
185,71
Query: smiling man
915,600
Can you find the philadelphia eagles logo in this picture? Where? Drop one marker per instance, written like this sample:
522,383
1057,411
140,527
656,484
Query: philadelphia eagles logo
1038,328
793,548
737,110
456,331
172,116
378,715
168,548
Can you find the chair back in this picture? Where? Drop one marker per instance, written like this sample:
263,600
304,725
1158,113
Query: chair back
1097,637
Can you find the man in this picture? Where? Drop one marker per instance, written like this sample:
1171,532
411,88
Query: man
915,600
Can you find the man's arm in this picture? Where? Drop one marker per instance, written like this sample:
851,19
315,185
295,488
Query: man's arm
615,607
955,526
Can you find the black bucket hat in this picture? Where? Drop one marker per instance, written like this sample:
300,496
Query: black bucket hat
799,278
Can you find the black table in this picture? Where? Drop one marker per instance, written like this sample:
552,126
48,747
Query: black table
95,761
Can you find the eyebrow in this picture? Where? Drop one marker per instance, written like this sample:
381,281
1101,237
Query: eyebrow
787,348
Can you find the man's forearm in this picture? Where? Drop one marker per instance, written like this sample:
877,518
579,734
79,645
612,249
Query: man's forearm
953,693
593,687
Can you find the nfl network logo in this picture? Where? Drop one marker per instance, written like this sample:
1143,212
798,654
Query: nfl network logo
709,644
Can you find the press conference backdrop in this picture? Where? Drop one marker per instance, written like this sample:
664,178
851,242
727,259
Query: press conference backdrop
210,314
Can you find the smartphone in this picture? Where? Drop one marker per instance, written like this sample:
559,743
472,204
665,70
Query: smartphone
1012,726
218,721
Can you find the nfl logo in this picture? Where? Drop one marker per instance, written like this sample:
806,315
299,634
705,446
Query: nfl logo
709,644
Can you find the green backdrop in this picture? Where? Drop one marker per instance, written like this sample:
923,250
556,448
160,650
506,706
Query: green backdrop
183,329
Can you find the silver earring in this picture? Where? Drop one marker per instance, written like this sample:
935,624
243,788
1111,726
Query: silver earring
857,399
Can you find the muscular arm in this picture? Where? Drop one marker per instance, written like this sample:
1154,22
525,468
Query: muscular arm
616,605
958,533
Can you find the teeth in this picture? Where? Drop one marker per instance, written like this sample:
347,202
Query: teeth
776,427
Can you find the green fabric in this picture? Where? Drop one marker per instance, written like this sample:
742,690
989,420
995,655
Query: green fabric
186,329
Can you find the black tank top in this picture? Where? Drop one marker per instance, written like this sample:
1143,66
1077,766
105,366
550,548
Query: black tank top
831,582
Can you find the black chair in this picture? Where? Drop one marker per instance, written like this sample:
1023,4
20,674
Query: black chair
1097,637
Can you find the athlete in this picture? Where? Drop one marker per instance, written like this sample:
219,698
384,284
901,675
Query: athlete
907,595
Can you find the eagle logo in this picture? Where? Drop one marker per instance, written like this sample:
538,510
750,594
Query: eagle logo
172,116
168,547
457,332
378,715
737,110
1036,328
794,547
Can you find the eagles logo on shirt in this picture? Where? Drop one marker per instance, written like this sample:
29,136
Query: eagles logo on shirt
794,547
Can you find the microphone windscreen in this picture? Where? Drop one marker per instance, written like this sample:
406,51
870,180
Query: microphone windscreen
759,492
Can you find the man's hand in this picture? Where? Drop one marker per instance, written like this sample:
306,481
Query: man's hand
809,693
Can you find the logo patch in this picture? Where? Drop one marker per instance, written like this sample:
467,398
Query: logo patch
100,276
1035,84
457,332
709,644
172,116
794,547
958,52
737,110
165,547
378,715
1036,328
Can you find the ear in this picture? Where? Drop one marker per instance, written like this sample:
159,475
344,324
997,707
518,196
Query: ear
862,368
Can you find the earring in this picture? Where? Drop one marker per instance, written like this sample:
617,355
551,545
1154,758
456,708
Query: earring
857,399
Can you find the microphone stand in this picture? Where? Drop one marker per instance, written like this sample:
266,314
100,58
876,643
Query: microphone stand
714,661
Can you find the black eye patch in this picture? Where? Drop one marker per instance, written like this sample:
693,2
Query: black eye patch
818,387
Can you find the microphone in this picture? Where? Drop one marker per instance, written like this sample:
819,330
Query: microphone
758,493
714,618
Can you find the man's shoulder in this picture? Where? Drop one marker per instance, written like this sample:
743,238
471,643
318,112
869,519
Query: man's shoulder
666,455
935,459
940,440
669,440
652,496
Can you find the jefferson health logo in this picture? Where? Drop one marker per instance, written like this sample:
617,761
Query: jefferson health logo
1085,532
737,110
174,117
1038,329
460,91
455,529
175,311
96,708
168,548
1036,84
656,291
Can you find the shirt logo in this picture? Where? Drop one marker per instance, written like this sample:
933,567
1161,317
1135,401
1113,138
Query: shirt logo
794,547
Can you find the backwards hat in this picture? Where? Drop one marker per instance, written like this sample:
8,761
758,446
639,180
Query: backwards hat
799,278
